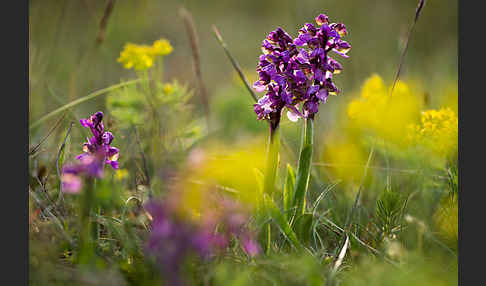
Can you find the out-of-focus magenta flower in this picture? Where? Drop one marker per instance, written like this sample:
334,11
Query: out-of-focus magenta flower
90,165
250,246
173,238
298,72
71,183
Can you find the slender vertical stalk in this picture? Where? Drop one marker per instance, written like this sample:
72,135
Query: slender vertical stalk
86,250
235,64
303,169
104,22
271,166
271,163
269,239
160,69
155,120
196,59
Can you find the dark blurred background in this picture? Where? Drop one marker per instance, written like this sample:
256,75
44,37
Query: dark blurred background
65,62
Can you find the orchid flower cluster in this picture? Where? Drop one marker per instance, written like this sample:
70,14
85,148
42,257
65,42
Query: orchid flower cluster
173,238
299,71
97,150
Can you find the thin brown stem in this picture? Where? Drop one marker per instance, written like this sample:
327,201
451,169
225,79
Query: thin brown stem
104,22
235,64
191,31
417,14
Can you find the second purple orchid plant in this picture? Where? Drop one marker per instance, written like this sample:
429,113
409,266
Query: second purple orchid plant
97,152
297,74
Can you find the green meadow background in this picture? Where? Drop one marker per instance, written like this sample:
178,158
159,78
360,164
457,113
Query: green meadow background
65,63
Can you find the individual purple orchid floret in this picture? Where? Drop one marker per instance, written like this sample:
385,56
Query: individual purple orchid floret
297,73
101,140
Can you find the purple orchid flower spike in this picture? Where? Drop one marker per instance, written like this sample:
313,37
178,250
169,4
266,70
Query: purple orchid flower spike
97,151
298,72
101,140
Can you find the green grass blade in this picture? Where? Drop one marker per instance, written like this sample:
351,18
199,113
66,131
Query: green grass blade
349,220
235,64
60,161
321,196
81,100
275,213
288,190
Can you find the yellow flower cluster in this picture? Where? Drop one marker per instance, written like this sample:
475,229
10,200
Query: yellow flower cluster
437,131
383,115
141,57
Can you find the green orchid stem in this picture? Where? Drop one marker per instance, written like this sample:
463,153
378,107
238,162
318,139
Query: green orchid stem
271,164
86,250
304,168
271,167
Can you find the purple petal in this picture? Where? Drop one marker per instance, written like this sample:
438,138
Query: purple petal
114,164
322,19
313,89
107,138
322,94
86,123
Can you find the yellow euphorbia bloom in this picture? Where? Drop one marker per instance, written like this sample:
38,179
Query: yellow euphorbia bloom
382,115
344,157
219,168
437,131
141,57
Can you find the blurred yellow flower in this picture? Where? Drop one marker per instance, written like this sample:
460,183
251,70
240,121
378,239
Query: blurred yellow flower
437,131
141,57
220,168
168,88
383,115
451,97
136,56
344,157
121,174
